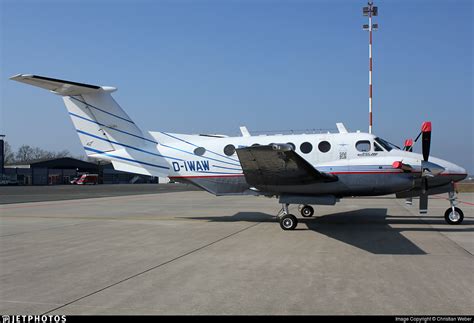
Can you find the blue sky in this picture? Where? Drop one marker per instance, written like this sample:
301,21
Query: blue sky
211,66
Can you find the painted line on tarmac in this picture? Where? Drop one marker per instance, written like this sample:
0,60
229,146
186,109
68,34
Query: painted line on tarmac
76,201
444,198
436,228
39,230
152,268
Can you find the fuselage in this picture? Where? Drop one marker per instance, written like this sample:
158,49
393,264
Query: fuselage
362,162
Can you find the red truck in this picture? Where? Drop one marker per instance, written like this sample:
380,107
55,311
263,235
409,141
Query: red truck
86,179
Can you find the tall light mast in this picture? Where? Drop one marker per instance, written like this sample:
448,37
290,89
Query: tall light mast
2,155
370,11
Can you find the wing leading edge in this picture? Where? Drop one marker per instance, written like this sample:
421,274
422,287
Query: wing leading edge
278,164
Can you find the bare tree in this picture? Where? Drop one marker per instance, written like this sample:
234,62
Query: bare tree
27,153
9,155
24,153
62,154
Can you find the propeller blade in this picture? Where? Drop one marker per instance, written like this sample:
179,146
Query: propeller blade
424,196
408,145
423,203
426,139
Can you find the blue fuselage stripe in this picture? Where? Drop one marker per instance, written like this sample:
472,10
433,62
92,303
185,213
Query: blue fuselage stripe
359,168
190,143
124,132
114,115
124,145
103,125
227,167
187,152
124,158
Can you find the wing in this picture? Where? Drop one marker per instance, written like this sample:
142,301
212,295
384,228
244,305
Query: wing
278,164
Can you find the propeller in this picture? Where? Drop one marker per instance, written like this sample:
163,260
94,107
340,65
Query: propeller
428,169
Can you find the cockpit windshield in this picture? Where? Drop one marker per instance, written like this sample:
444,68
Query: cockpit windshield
385,144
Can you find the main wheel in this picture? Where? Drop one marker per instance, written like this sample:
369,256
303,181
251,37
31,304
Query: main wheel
288,222
307,211
455,217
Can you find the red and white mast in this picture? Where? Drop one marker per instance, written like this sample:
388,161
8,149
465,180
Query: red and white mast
370,11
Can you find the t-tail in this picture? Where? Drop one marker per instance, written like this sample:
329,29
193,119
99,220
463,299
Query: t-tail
105,130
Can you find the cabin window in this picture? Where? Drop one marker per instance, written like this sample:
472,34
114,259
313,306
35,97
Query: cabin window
324,146
292,145
385,144
229,150
306,147
377,147
363,145
199,151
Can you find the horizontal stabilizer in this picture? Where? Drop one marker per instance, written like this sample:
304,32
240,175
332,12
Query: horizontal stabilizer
58,86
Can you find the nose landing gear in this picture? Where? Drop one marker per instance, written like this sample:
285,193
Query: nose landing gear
453,215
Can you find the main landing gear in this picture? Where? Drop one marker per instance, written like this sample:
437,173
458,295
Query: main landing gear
306,211
453,215
289,221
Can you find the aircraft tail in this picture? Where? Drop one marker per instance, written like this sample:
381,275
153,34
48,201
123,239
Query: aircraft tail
104,128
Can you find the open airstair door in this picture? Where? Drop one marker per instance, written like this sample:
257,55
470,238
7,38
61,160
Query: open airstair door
278,165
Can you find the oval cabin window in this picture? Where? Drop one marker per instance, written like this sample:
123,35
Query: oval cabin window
229,150
199,151
324,146
306,147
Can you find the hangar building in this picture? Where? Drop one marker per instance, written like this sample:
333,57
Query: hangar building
63,170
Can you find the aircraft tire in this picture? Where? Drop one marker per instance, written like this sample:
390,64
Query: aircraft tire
456,218
288,222
307,211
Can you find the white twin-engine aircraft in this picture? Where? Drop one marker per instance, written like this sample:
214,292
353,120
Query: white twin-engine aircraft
305,169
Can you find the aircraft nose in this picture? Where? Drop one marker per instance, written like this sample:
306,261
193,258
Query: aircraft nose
457,173
452,172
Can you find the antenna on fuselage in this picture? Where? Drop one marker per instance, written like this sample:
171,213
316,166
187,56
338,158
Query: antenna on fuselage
244,131
341,128
370,11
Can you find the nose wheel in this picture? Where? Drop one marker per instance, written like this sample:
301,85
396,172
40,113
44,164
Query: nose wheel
453,215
